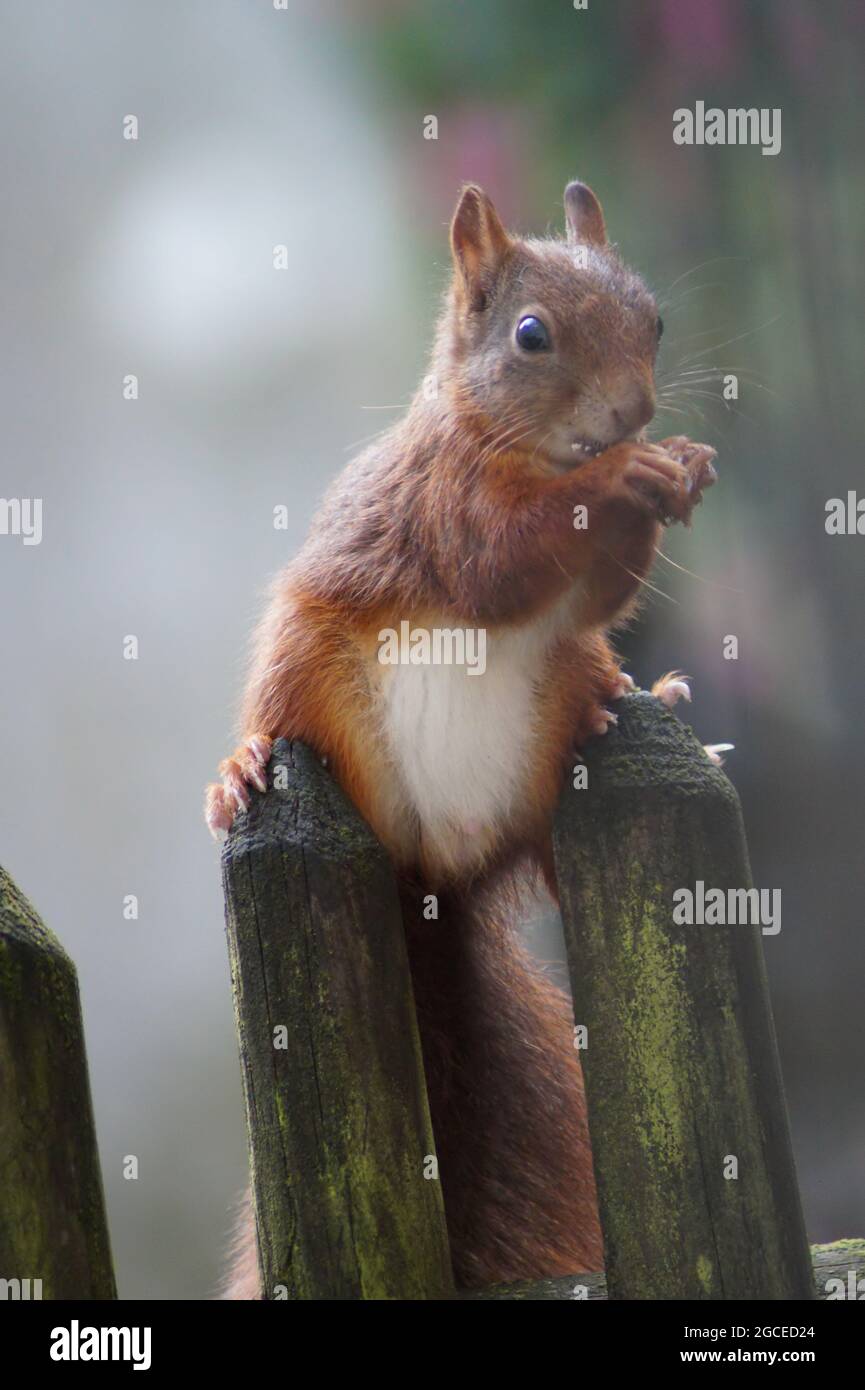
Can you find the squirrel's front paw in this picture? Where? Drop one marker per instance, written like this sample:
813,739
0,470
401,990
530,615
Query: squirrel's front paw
246,767
696,459
647,476
622,685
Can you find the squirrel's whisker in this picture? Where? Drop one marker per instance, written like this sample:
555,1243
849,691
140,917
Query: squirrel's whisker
654,588
749,333
715,583
714,260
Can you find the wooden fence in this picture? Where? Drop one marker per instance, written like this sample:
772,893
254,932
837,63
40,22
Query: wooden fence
681,1067
53,1232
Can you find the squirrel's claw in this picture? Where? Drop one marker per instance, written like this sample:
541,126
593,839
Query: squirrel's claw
713,752
623,685
672,688
216,812
246,767
602,721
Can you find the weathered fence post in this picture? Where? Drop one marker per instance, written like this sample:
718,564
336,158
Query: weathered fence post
339,1128
688,1122
52,1210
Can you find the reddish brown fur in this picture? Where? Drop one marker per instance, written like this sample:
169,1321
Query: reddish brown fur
464,512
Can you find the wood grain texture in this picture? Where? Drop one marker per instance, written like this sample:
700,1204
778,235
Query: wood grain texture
52,1209
338,1121
681,1066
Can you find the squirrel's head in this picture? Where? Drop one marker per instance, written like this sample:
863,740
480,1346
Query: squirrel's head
551,344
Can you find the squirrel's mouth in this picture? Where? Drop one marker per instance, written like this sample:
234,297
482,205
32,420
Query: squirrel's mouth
583,449
587,448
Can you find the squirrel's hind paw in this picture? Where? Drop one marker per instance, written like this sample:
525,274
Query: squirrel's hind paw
672,688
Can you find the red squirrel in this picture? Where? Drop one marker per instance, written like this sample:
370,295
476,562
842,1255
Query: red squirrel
520,500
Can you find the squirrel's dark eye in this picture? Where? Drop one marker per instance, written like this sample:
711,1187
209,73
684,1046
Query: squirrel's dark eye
660,328
532,336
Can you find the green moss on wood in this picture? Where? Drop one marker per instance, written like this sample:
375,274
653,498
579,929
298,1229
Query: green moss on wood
681,1067
52,1216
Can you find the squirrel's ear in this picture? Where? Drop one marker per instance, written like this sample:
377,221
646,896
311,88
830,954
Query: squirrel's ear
479,244
583,216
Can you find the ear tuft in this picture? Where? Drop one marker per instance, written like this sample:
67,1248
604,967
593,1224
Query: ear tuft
479,244
583,216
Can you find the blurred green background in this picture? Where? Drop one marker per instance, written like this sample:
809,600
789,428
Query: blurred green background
305,127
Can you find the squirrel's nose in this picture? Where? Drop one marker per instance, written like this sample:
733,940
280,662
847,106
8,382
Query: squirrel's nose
633,413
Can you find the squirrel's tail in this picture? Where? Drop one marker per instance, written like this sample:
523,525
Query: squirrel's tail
506,1096
242,1280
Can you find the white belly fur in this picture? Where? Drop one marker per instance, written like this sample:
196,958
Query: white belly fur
461,744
